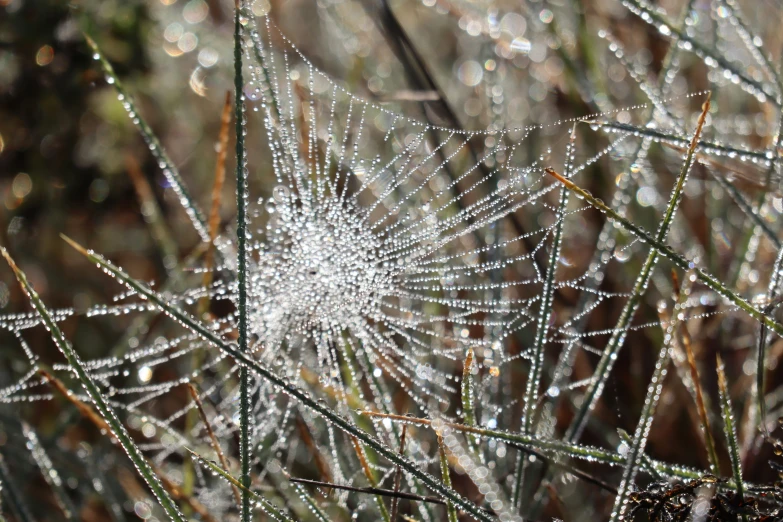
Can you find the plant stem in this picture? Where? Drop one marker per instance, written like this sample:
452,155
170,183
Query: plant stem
242,311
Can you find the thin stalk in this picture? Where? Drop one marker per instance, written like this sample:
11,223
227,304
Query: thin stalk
212,437
217,195
747,208
154,218
609,355
641,435
320,462
675,140
266,506
50,474
242,311
542,327
398,475
374,491
709,442
370,477
246,361
730,430
106,411
446,477
468,409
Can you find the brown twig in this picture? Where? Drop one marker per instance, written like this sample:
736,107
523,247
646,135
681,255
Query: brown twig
685,338
212,437
373,490
307,439
398,475
217,195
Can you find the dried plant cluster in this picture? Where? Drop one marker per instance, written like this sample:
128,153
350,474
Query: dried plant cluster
407,320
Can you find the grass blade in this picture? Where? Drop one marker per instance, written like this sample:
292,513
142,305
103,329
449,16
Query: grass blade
763,344
177,492
106,411
730,430
263,372
677,142
242,311
542,327
609,355
645,461
640,436
446,477
466,393
153,216
170,171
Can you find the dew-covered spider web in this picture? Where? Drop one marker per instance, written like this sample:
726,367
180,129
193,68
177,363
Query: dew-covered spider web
386,253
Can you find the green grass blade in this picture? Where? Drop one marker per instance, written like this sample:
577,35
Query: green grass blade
644,460
311,504
466,394
615,344
640,436
563,449
675,140
542,328
545,312
730,430
749,39
266,506
242,311
103,407
170,171
446,477
747,208
761,370
290,389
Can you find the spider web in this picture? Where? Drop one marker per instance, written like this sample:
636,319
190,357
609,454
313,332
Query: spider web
388,248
